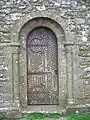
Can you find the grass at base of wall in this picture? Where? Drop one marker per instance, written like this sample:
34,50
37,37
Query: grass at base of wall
54,116
36,116
39,116
79,117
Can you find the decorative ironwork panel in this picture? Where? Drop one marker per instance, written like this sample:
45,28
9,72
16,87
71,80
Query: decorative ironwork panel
42,67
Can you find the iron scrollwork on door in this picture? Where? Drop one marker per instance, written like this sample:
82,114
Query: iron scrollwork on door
42,66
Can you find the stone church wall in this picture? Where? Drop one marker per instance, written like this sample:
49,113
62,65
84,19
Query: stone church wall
74,17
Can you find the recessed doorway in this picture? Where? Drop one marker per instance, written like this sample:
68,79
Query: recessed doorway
42,67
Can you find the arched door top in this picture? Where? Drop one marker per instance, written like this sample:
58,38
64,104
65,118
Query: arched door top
41,22
56,48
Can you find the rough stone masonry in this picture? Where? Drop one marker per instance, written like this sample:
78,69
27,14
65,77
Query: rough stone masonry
72,18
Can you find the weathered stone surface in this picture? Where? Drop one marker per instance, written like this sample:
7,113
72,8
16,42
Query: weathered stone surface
73,48
14,114
80,20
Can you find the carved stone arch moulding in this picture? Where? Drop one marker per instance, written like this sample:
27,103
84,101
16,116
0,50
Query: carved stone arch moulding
60,35
21,22
41,22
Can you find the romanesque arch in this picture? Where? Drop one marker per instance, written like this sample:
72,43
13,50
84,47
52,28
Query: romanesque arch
51,29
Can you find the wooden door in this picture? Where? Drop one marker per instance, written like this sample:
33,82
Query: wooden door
42,71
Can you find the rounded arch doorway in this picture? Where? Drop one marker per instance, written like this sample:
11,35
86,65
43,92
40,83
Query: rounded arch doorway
41,69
